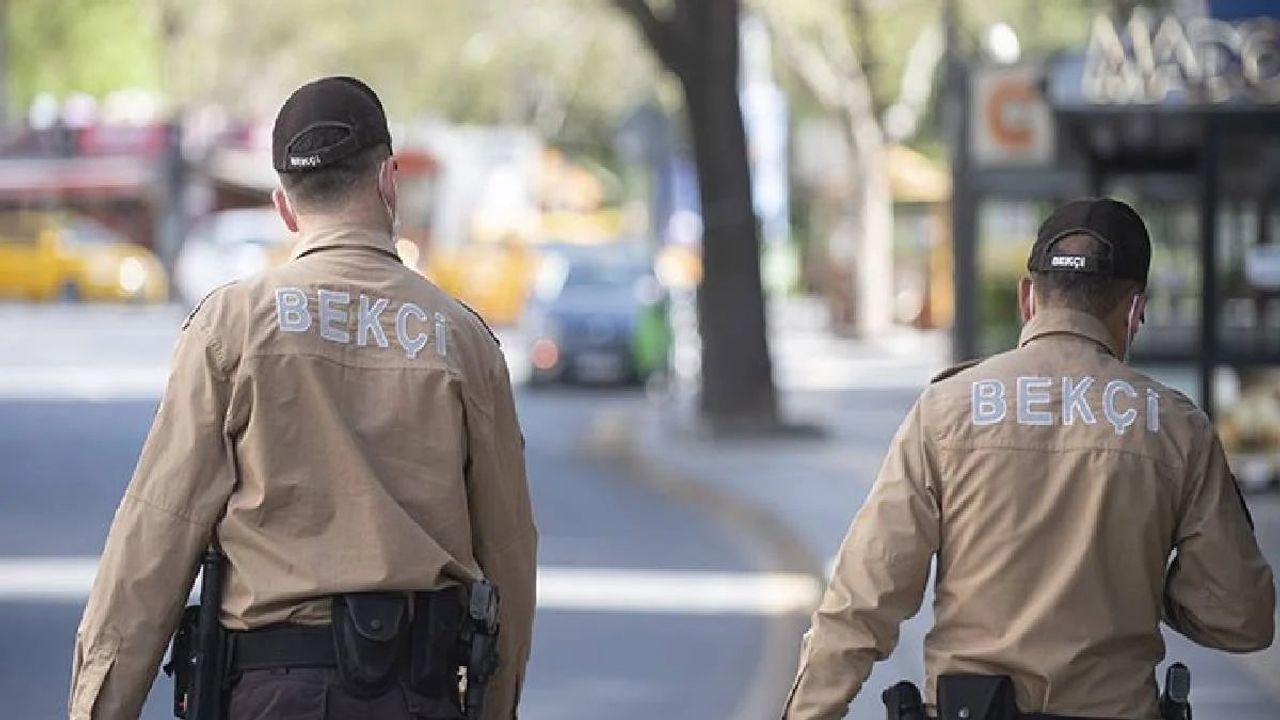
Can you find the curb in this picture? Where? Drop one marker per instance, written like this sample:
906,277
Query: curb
774,547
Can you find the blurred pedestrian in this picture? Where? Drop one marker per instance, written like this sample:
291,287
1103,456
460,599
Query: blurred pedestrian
346,434
1051,484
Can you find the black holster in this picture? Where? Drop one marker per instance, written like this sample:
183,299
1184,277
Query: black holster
480,644
198,656
437,628
976,697
182,660
1175,700
903,702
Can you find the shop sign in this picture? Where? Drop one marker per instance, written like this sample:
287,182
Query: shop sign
1169,60
1011,124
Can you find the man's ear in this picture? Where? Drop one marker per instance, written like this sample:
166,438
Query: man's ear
387,181
281,201
1026,298
1137,312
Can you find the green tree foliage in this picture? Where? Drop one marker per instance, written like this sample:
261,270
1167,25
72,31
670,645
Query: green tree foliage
90,46
893,26
569,67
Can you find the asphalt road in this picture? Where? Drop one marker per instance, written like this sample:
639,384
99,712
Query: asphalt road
78,389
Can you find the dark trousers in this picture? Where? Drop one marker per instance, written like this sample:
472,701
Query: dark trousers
318,694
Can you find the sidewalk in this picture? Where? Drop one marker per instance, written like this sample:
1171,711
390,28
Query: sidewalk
812,488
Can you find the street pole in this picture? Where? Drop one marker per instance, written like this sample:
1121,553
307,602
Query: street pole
171,219
964,329
4,62
1210,186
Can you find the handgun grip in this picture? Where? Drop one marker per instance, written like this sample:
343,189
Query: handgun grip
903,702
483,605
1177,683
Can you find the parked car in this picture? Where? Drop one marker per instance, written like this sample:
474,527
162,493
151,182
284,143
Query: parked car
47,255
1250,431
597,314
229,245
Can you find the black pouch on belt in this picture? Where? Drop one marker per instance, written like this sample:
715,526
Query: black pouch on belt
369,635
436,652
976,697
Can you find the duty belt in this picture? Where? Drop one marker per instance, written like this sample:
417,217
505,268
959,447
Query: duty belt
1043,716
280,646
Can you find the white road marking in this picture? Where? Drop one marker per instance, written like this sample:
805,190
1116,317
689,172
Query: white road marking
46,579
83,382
675,591
695,592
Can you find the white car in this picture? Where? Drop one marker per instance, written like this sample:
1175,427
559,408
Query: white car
229,245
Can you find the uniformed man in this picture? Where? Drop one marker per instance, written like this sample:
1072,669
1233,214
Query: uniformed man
1051,484
340,425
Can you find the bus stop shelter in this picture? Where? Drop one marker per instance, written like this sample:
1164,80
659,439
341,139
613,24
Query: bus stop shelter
1202,167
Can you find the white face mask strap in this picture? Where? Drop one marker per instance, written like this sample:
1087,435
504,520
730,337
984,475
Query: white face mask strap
392,217
288,202
1132,327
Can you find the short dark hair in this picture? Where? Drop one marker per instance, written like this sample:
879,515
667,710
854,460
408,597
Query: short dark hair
332,185
1097,295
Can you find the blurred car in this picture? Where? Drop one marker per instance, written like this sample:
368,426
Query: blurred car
596,314
229,245
47,255
1250,432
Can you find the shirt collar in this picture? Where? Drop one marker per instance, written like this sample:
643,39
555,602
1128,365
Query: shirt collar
345,236
1061,321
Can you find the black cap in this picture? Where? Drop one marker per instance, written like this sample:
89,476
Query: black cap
1126,244
341,103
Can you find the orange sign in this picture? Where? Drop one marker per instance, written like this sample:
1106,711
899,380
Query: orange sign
1011,124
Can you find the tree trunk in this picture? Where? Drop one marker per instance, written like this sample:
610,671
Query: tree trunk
873,204
737,375
698,43
836,77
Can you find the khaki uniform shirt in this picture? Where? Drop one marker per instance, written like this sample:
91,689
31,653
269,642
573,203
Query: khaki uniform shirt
1051,483
345,426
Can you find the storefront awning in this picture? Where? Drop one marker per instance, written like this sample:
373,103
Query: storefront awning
33,180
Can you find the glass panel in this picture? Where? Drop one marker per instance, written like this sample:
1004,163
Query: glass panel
1171,326
1006,230
1248,316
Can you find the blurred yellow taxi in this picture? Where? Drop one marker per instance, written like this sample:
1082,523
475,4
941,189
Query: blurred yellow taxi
52,255
492,278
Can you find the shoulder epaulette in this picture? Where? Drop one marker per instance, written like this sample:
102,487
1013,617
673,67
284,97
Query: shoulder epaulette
954,370
483,324
191,315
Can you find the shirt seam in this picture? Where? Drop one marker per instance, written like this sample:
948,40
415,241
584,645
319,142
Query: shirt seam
951,447
172,512
311,251
497,549
1048,334
453,372
215,345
